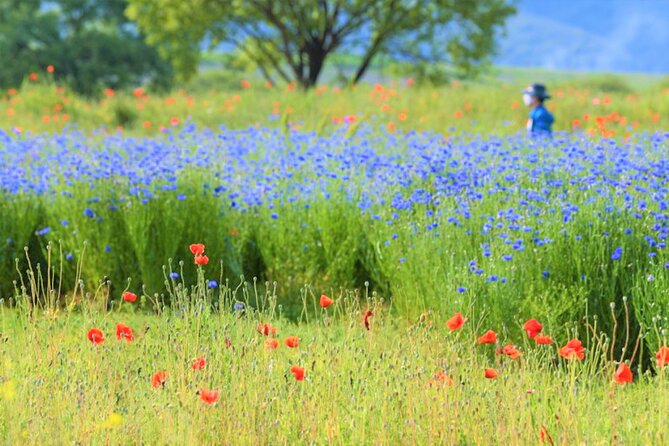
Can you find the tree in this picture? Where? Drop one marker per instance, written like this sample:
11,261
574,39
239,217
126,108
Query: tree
292,39
91,44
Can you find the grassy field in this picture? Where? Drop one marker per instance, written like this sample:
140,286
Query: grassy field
406,204
357,375
604,105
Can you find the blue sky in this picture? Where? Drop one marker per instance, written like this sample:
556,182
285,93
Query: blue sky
593,35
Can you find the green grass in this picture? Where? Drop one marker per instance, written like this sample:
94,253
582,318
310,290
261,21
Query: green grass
375,386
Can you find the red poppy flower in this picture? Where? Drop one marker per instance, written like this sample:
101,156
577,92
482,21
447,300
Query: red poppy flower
326,301
197,249
95,336
158,379
662,356
174,121
266,329
33,77
124,332
129,297
455,322
209,396
489,337
199,363
201,260
292,341
366,317
532,327
623,374
511,351
543,340
298,372
440,379
490,373
573,349
50,69
271,343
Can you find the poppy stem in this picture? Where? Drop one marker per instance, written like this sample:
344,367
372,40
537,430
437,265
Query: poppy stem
627,328
636,345
615,328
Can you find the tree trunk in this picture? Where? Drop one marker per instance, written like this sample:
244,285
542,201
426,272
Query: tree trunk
315,56
367,59
316,61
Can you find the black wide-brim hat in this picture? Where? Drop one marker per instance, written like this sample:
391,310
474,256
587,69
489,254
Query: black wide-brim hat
538,90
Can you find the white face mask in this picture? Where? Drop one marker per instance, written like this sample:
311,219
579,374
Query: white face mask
527,99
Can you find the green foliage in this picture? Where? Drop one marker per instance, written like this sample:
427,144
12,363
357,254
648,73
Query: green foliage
605,83
294,40
90,44
124,115
25,37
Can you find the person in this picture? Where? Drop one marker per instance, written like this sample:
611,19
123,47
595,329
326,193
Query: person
540,119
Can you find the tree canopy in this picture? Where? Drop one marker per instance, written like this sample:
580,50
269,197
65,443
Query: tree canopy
292,39
90,43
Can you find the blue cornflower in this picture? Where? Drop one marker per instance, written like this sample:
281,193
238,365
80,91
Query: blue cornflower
174,275
617,253
44,231
212,284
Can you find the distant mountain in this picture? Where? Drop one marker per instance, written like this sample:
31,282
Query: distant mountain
589,35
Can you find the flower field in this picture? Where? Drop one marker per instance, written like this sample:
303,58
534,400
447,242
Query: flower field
345,272
348,373
599,106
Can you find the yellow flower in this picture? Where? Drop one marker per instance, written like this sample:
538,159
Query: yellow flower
114,420
8,390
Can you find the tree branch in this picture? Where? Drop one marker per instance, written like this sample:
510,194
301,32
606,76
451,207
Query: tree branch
261,41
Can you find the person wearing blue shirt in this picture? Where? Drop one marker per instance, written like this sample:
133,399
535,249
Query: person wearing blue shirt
540,119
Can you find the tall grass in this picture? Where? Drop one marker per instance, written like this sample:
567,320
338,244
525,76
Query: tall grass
400,382
506,227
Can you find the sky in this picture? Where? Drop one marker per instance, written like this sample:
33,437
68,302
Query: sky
588,35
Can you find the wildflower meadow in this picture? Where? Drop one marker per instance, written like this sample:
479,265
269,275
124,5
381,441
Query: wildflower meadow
394,264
